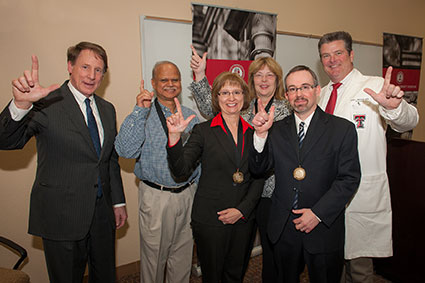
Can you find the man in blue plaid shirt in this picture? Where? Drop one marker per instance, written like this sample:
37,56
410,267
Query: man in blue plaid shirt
164,203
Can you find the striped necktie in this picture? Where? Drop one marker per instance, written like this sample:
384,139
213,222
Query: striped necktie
301,134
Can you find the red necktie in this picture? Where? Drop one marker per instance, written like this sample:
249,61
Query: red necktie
332,100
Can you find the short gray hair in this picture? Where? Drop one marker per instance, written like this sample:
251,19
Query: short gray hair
159,63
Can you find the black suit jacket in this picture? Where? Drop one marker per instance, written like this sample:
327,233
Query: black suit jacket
330,157
63,196
216,190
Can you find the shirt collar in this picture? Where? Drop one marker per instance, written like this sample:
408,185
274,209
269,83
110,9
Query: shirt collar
307,121
78,95
348,77
218,121
163,107
345,80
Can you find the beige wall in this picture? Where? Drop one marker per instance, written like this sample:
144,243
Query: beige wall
48,27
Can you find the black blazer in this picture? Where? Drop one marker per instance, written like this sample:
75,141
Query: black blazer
330,157
209,144
63,196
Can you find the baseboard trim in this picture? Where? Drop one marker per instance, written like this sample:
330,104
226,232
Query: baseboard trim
128,269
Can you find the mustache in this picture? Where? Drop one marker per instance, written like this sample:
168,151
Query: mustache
170,88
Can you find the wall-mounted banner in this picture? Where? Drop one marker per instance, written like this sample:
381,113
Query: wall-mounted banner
404,53
232,38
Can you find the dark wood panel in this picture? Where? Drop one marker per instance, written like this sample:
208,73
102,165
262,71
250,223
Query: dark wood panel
406,172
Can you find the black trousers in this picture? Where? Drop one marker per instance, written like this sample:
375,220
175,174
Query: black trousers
66,260
291,257
269,272
223,251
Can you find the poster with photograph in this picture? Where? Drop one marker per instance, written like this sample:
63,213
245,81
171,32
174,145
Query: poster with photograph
232,38
404,54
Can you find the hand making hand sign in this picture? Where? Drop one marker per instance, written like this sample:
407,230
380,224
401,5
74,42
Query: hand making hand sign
144,98
176,124
390,95
198,64
263,121
27,89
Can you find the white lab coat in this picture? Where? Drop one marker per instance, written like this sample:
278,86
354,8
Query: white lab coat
368,217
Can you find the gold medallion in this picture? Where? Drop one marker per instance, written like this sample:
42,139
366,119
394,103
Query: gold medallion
238,177
299,173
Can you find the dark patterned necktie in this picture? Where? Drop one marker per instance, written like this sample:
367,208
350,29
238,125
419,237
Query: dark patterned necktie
301,134
94,133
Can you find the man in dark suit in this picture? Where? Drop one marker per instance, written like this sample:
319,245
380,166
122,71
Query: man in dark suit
317,170
77,200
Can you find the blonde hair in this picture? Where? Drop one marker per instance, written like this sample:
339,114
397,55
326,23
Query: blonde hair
259,63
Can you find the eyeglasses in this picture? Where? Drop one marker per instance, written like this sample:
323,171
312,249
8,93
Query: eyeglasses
268,76
227,93
305,88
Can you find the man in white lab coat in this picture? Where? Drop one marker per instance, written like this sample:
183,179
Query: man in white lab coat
371,103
